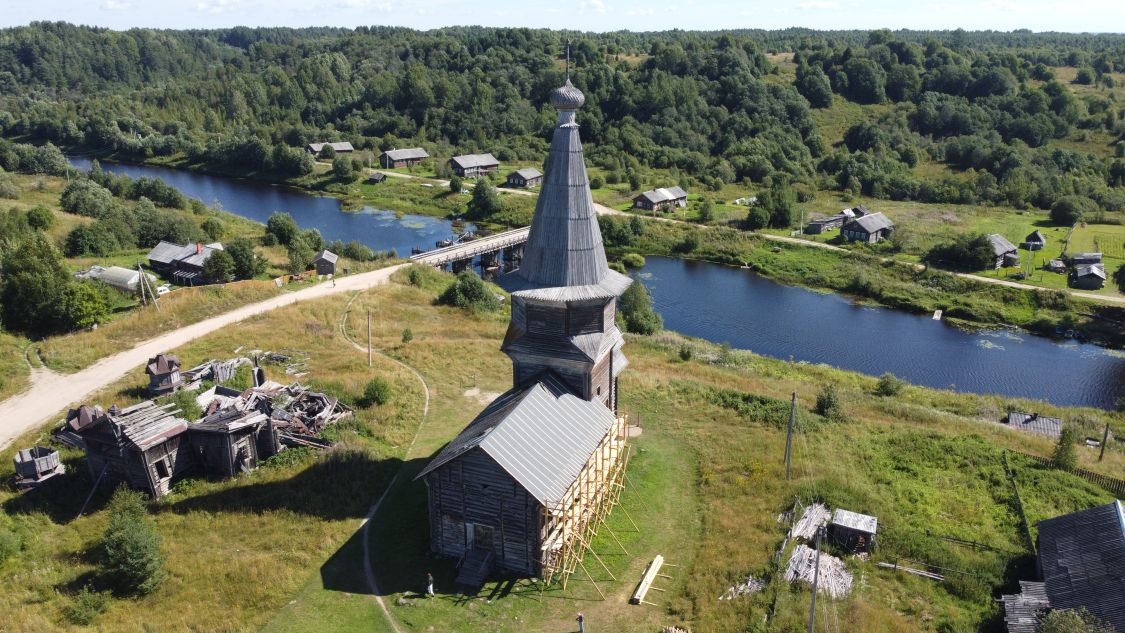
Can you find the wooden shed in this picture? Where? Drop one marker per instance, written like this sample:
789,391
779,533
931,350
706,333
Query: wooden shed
407,157
1004,253
853,531
231,441
325,262
1088,276
870,228
661,199
138,445
163,374
1035,241
524,178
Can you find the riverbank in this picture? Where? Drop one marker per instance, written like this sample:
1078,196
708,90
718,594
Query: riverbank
705,483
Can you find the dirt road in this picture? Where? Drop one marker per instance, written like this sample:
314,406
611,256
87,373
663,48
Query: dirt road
50,391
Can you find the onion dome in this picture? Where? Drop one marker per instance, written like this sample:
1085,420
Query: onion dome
567,97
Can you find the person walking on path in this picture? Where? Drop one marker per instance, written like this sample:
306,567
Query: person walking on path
581,623
429,585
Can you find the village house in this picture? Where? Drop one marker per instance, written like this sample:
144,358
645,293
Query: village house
474,165
408,157
823,225
1081,565
232,440
342,147
163,374
520,488
1035,423
141,446
325,262
1088,276
1035,241
661,199
524,178
1085,259
182,264
870,228
1004,252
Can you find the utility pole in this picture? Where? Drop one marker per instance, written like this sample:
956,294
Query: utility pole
816,580
1105,438
789,436
368,337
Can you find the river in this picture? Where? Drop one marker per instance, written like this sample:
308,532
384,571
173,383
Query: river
730,305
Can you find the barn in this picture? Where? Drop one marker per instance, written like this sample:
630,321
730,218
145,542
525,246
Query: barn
407,157
521,488
474,165
524,178
661,199
870,228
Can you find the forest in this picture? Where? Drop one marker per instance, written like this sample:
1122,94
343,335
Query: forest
707,106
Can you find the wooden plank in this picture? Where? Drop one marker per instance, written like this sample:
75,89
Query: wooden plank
646,580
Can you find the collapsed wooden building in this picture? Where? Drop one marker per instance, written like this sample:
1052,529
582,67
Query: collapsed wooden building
526,484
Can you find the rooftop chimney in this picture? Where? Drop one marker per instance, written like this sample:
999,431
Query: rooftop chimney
198,247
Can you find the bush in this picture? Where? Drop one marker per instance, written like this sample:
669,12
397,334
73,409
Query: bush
415,276
8,187
685,352
1070,209
757,219
377,392
889,385
133,560
269,239
635,308
633,260
219,267
965,252
407,335
213,227
90,239
1066,451
828,403
596,183
456,184
85,197
300,257
86,606
617,266
469,292
1072,621
283,227
247,263
40,218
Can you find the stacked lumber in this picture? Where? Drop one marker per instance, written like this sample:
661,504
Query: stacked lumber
835,579
814,516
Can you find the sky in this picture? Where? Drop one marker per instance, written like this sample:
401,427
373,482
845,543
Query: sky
584,15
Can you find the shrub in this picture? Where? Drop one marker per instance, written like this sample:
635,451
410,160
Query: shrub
219,267
965,252
86,606
414,276
617,266
91,239
685,352
85,197
596,183
633,260
828,403
407,335
40,218
706,211
8,187
1072,621
757,219
456,184
469,292
269,239
283,227
889,385
635,308
377,392
1070,209
300,257
1066,451
687,245
213,227
133,560
247,263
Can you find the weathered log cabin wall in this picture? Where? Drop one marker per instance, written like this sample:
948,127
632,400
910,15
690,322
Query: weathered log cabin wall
473,489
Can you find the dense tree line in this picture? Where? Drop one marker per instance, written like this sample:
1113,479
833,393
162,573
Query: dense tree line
703,105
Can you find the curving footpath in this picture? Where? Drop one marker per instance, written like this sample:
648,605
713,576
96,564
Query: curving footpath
50,391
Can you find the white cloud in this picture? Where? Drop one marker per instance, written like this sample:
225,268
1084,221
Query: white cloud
217,6
117,5
819,5
596,5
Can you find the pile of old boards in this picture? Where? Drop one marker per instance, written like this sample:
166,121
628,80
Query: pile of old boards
834,578
149,446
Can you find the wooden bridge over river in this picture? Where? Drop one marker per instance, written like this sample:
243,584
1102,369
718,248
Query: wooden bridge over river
494,251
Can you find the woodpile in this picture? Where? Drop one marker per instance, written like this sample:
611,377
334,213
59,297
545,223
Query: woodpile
835,579
814,516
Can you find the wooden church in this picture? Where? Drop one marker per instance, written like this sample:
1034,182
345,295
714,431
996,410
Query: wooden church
524,485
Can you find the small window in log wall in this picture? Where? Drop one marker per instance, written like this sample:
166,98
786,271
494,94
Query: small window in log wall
162,469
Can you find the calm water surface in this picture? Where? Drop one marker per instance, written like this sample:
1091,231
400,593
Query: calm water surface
730,305
380,229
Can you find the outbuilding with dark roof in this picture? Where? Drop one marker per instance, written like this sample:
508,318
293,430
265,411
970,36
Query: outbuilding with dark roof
325,262
526,177
407,157
474,165
661,199
1004,253
870,228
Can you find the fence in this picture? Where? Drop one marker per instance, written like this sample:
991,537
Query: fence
1112,484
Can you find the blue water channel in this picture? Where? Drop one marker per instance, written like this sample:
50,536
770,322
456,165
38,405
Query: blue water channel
730,305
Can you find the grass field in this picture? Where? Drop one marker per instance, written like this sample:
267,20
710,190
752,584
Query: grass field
280,548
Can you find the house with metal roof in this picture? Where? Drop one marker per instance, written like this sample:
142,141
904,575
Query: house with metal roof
474,165
1035,241
519,488
1081,559
1035,423
341,147
869,227
1088,276
325,262
1004,253
661,199
407,157
524,178
182,264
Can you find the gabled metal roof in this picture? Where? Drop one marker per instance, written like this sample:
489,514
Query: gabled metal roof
1082,558
409,153
1097,270
528,173
872,222
467,161
1036,236
541,435
856,521
664,194
340,146
327,256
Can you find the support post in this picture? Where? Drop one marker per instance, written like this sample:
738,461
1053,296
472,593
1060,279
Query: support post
789,436
816,580
369,338
1105,438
